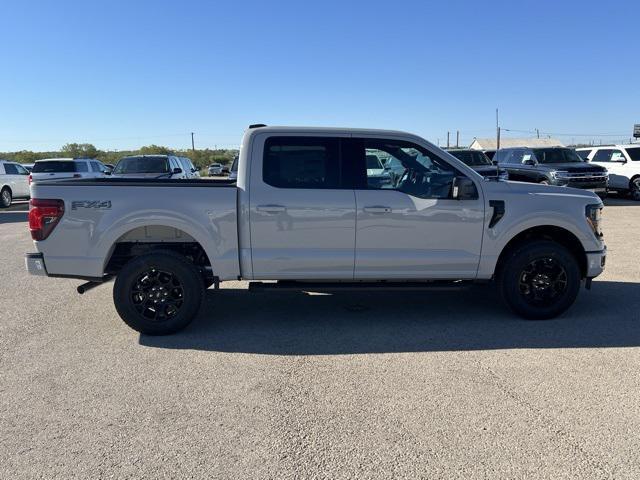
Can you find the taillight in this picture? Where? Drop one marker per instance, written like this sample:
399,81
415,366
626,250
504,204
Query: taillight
44,215
30,179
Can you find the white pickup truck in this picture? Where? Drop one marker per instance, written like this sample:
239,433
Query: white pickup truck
304,212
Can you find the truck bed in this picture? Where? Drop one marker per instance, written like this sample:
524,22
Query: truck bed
99,213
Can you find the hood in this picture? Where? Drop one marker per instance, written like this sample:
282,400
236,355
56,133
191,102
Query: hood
538,189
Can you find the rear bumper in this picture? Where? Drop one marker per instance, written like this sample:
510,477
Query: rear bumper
596,262
35,264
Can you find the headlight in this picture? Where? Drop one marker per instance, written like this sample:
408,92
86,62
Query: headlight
561,175
594,218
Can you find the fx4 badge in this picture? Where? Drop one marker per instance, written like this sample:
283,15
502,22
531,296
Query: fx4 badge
97,204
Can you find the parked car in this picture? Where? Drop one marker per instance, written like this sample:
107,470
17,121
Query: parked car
65,168
377,175
304,213
623,164
215,169
149,166
552,166
233,172
188,167
14,182
477,160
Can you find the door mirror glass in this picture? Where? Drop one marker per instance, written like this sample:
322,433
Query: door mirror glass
177,170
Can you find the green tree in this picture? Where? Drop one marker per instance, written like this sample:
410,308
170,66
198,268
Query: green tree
79,150
155,150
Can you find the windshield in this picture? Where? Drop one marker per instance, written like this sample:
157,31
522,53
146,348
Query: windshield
634,153
142,165
374,163
54,166
557,155
473,158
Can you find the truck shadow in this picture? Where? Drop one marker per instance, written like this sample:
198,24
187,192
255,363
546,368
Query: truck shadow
235,320
620,201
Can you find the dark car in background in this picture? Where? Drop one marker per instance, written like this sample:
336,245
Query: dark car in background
552,166
149,166
477,160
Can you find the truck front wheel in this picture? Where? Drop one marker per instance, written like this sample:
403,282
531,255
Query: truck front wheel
158,293
539,279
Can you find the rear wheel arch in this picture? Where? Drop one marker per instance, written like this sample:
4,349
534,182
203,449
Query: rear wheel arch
143,240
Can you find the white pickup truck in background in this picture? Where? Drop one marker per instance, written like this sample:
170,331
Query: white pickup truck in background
305,213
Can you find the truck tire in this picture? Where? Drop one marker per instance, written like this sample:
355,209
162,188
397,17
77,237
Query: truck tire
634,188
539,279
5,198
158,293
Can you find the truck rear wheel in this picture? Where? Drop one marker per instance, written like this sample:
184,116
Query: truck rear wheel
158,293
539,280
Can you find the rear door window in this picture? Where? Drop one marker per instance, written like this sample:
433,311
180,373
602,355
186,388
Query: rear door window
634,153
10,169
302,162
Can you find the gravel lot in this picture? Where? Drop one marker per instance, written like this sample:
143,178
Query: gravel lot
417,385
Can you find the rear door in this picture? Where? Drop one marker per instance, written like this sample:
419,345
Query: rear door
301,209
22,180
414,229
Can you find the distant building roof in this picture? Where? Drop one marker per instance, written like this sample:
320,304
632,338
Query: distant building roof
490,143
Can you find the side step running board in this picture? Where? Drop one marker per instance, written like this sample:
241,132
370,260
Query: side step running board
363,286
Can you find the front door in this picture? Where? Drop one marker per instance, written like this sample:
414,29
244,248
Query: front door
614,161
413,228
302,211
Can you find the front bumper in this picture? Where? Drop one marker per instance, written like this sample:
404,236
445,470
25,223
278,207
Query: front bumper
35,264
596,262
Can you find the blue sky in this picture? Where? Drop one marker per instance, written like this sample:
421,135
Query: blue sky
126,74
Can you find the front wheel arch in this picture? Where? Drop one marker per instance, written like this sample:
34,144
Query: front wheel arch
547,232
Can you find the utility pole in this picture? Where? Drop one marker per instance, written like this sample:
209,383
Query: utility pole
193,145
538,132
457,138
447,139
497,131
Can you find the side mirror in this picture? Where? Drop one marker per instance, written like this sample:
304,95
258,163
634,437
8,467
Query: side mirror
494,162
176,171
194,170
529,162
463,188
107,172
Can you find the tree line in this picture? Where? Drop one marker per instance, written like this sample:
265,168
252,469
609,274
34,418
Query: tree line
201,158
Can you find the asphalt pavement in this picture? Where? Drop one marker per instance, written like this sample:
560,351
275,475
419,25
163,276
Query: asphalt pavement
289,385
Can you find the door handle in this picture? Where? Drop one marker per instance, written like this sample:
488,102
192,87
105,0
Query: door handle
271,208
377,209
